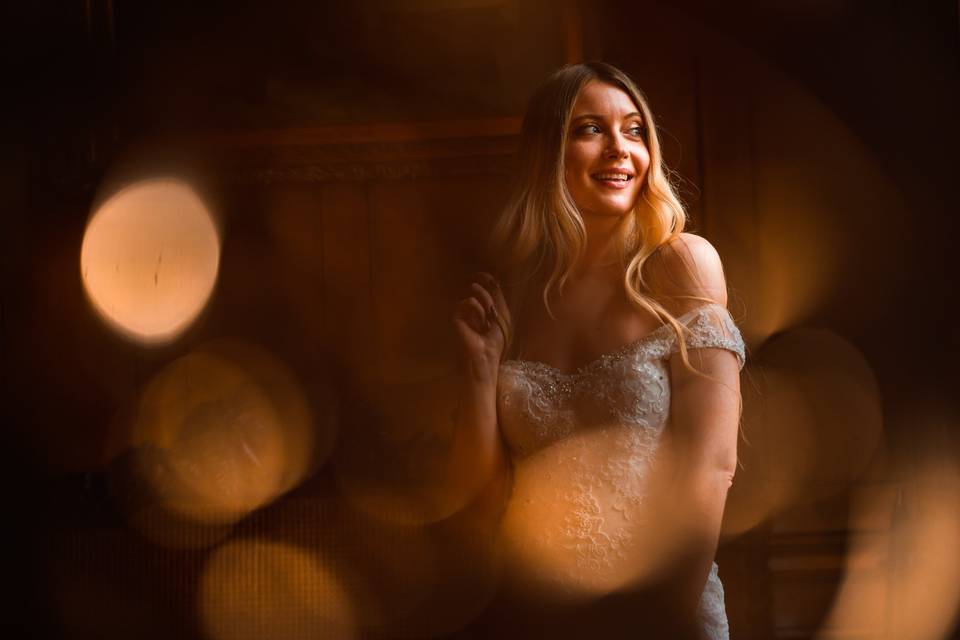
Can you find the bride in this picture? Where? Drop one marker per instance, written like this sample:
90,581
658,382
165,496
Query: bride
602,368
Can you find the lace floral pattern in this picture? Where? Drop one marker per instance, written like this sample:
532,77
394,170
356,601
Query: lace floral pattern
601,426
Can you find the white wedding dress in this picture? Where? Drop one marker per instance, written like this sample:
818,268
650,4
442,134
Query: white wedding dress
582,444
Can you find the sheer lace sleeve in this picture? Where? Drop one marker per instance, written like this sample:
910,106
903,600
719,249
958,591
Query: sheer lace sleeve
709,326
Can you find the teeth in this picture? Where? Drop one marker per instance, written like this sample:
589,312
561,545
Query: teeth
611,176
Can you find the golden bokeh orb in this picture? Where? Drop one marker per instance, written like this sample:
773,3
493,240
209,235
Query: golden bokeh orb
149,259
216,435
258,589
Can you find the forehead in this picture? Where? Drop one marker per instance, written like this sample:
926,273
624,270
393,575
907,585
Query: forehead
603,99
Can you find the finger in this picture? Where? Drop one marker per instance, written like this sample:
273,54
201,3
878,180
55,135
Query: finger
470,308
487,280
500,299
490,284
499,313
471,314
484,296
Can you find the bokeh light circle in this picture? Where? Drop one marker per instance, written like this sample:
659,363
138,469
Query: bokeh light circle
418,485
812,425
256,589
570,535
215,435
149,259
902,573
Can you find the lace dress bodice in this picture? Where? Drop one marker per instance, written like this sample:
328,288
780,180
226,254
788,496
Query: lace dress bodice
582,445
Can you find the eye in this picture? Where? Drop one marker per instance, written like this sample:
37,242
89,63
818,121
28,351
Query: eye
588,129
636,130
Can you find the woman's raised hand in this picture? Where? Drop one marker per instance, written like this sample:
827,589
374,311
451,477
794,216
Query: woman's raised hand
479,320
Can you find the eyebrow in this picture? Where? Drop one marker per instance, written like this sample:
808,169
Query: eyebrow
594,116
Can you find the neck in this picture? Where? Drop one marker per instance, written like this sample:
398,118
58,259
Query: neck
600,252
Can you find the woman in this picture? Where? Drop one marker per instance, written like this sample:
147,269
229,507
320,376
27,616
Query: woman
607,355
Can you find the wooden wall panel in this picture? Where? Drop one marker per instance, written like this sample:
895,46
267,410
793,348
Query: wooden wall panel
730,217
427,238
663,61
376,227
349,324
293,219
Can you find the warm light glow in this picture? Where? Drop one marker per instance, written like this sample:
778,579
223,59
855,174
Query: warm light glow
903,570
149,259
812,423
223,431
397,566
255,589
394,467
776,453
570,534
799,254
428,581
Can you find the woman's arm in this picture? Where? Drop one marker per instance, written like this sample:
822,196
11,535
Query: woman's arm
701,455
698,455
476,452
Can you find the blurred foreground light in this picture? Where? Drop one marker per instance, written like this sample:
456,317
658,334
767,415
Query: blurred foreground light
221,432
575,527
812,423
394,466
149,259
902,576
800,254
779,431
429,581
254,589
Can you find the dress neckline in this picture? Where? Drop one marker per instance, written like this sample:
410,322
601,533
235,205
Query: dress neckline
604,358
610,356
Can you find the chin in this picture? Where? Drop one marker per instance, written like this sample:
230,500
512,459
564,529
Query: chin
611,211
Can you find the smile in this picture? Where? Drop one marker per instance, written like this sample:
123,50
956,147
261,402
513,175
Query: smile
615,180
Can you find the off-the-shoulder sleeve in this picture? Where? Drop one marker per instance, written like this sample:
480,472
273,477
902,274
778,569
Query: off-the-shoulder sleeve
709,326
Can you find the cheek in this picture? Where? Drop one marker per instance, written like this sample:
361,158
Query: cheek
642,160
574,160
574,171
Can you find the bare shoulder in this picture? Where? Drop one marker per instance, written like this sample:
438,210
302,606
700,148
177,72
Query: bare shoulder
686,272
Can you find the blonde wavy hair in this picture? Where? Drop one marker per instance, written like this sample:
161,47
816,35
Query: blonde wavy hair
541,234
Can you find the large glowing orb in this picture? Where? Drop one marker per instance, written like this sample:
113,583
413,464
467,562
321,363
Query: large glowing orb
260,589
149,259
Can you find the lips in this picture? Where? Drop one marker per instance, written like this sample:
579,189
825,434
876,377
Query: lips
616,178
613,176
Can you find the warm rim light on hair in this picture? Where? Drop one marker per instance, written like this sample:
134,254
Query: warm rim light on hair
149,259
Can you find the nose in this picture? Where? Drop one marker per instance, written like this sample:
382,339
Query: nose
615,147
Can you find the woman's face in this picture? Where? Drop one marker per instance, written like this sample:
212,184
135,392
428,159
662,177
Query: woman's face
606,158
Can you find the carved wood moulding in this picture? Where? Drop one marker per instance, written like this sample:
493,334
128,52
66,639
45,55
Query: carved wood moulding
352,153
